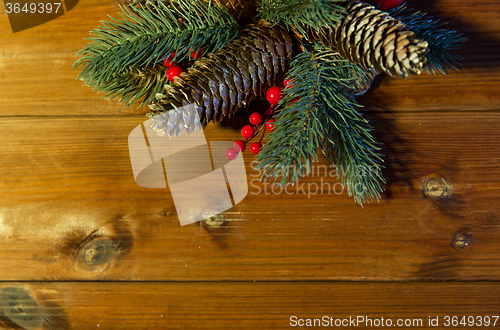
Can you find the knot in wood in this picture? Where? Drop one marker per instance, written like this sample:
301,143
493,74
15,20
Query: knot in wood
460,241
437,188
101,250
95,255
214,221
21,308
97,252
166,212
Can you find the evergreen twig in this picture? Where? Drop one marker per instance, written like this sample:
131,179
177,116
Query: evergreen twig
441,41
324,117
143,37
302,14
137,84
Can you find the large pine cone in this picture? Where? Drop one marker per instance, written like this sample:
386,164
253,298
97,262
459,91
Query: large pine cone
375,40
227,80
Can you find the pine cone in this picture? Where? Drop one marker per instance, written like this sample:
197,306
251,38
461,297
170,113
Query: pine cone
241,10
177,120
375,40
225,81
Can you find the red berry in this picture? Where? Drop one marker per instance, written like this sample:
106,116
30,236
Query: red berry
255,118
247,131
256,147
287,82
385,4
197,54
270,125
273,95
231,154
240,146
181,22
167,61
174,71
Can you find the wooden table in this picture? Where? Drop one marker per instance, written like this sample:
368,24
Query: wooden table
81,239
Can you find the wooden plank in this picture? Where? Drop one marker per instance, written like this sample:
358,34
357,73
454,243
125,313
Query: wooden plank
37,78
250,305
70,209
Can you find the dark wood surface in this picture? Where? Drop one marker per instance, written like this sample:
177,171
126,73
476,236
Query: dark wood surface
67,189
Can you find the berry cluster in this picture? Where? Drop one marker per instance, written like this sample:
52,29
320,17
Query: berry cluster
175,70
258,122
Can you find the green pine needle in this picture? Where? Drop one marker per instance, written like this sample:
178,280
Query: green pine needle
302,14
137,84
323,118
142,38
441,41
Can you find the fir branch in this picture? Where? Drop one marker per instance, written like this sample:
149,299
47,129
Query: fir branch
302,14
137,84
441,41
144,36
324,117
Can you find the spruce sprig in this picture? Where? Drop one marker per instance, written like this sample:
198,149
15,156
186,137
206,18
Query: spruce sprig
442,42
139,83
323,118
145,35
302,14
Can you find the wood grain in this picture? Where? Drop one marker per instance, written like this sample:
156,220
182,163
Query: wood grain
256,305
67,181
37,78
